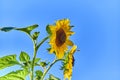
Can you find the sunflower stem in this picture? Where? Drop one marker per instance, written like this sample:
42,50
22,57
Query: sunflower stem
45,72
35,47
34,56
33,61
42,42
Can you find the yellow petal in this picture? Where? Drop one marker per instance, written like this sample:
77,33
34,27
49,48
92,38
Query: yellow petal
73,49
69,42
52,27
70,33
60,54
58,37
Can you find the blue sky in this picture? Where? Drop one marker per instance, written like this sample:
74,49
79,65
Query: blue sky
97,28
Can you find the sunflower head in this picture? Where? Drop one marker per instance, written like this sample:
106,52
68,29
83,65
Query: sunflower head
69,62
59,38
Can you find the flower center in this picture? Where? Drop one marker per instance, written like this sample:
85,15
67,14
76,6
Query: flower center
60,37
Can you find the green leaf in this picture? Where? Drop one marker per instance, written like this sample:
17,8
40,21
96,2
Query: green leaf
51,77
18,75
48,29
35,35
24,57
26,65
6,29
39,73
8,61
43,64
37,60
48,49
28,29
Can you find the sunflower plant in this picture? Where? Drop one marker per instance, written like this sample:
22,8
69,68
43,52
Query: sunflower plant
59,40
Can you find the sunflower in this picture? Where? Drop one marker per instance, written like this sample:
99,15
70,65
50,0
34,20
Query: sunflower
59,38
69,64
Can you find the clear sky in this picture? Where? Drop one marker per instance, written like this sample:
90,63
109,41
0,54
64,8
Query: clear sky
97,28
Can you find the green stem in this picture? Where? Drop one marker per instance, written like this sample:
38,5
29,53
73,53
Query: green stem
34,56
42,42
35,53
45,72
33,61
36,47
30,74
